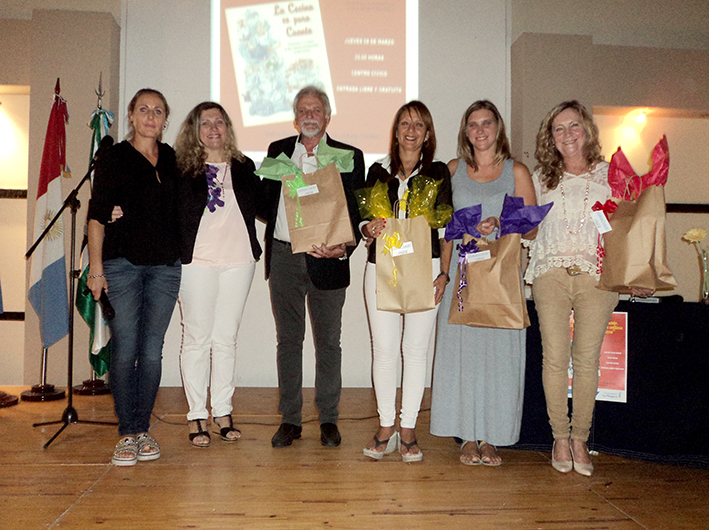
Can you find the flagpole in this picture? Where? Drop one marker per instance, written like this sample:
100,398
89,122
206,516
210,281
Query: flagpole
42,391
53,159
94,386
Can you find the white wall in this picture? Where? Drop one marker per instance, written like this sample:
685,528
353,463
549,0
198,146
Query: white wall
651,23
463,57
687,138
22,9
13,231
14,139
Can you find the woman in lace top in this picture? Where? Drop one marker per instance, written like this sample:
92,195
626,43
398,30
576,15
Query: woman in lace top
564,272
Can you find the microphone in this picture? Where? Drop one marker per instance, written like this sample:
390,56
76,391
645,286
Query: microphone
106,307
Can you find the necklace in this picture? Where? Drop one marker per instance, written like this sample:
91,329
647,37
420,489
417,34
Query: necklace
563,206
215,188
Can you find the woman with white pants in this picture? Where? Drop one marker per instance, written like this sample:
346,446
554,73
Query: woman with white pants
413,144
219,198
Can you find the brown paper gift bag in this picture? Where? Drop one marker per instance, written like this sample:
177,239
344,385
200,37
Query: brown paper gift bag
635,248
404,275
494,294
316,208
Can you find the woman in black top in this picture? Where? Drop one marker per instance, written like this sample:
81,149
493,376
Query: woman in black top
413,144
136,260
219,198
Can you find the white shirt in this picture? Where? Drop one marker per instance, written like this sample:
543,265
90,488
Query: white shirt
222,237
308,164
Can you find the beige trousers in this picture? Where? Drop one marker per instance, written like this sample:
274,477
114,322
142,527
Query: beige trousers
556,294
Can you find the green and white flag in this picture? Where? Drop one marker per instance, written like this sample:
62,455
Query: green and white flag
89,309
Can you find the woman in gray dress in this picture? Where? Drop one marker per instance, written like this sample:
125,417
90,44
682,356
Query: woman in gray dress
478,375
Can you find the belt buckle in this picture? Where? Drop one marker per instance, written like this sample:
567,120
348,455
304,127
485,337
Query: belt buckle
574,270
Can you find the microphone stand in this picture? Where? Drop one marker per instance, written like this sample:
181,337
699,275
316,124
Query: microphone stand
69,415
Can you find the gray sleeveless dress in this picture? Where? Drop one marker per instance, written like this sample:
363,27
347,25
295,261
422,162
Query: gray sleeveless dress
478,373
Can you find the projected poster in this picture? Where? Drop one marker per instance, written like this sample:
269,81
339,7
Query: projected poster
355,50
275,53
613,374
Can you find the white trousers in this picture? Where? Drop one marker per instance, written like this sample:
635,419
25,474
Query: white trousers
392,335
212,301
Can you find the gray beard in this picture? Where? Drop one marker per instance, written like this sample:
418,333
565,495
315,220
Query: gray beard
309,133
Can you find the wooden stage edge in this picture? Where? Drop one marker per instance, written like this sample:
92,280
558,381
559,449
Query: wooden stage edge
249,484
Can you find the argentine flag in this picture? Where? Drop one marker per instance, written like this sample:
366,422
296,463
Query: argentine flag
48,290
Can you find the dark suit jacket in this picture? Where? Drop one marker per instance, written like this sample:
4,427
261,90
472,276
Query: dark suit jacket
193,200
325,273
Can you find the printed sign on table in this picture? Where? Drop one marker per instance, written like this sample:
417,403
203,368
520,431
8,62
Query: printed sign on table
613,375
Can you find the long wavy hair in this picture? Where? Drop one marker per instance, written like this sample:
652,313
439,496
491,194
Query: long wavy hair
428,149
502,144
134,102
191,155
549,159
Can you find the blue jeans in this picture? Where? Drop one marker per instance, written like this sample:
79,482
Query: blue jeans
143,297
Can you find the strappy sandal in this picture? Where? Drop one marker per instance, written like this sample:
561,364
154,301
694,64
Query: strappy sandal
126,452
148,448
391,444
486,459
476,460
412,457
224,431
200,432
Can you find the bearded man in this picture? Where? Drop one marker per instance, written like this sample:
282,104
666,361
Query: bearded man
319,277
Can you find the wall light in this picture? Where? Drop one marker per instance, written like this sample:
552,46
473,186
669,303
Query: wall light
641,117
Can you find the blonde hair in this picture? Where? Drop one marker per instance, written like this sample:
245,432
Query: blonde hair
191,155
134,102
465,148
549,159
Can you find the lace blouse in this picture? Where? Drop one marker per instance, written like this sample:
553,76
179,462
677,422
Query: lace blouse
568,236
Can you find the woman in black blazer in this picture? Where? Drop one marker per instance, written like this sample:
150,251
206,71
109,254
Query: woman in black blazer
219,198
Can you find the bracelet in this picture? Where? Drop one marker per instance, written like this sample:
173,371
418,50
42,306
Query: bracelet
96,276
448,278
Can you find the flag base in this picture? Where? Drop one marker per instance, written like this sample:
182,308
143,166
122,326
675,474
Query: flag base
42,393
92,387
7,400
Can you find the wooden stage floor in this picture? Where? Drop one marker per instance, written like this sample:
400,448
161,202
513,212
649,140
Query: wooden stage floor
71,485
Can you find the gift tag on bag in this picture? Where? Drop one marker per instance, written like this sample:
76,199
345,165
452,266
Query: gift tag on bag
488,293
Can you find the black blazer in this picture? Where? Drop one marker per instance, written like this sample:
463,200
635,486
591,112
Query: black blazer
325,273
437,171
193,200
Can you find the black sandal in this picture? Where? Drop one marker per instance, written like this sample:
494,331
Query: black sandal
415,457
224,431
200,432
